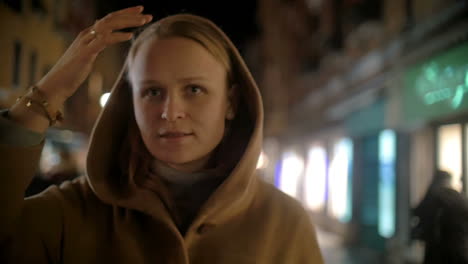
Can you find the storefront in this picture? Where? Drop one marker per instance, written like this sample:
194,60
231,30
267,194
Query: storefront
347,176
435,94
375,170
318,172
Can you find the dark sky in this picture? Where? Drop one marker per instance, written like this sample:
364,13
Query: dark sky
236,18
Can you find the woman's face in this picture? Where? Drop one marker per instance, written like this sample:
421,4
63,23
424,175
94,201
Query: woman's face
180,100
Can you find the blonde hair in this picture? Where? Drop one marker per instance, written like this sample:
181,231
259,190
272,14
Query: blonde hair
135,157
195,28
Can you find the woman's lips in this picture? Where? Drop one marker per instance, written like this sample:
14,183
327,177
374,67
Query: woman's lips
175,137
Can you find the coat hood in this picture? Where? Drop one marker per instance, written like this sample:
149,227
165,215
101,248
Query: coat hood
111,129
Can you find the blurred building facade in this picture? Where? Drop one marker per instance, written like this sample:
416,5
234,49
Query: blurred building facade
364,99
30,44
35,34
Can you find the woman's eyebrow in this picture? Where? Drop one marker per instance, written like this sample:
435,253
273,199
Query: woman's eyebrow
149,82
183,79
192,78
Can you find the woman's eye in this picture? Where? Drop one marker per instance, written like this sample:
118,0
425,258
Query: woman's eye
153,92
195,89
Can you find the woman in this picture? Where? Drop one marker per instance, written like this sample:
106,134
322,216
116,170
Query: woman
171,164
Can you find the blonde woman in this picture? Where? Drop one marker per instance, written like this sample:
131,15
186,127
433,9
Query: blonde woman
171,164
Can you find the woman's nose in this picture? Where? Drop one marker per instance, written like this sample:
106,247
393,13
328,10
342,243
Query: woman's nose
173,109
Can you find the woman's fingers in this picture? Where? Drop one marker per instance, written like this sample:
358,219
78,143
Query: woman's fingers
121,22
117,37
103,40
105,31
130,10
76,63
86,36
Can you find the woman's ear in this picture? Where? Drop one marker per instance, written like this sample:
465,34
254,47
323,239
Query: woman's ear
233,102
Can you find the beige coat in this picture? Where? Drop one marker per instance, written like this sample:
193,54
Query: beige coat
92,220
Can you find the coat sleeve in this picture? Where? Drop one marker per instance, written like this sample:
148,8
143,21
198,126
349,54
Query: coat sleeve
30,229
13,134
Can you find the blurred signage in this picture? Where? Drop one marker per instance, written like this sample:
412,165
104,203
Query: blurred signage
438,86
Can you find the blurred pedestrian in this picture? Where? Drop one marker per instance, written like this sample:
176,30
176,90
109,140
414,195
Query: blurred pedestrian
441,222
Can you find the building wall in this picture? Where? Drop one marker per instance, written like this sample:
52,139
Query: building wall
36,33
395,16
426,9
48,34
286,44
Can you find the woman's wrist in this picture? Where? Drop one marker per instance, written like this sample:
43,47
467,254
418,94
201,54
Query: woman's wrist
37,109
51,104
29,117
51,94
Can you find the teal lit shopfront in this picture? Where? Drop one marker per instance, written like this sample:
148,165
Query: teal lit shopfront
436,93
375,182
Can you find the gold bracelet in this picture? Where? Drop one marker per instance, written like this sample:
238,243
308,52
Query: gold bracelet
42,102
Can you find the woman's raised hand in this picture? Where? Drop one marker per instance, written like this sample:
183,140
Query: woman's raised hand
74,66
76,63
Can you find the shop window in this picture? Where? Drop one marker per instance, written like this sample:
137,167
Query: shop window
465,177
368,195
449,153
292,168
387,183
339,181
278,169
315,183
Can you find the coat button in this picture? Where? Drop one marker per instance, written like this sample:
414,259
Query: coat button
203,228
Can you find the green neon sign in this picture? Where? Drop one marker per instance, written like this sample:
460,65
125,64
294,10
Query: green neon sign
437,87
442,85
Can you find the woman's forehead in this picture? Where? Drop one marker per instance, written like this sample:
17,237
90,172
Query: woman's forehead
180,57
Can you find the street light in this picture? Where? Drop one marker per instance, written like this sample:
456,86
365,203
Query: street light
103,99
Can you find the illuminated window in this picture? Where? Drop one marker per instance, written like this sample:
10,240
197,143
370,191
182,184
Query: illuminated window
315,178
449,154
292,168
387,184
339,199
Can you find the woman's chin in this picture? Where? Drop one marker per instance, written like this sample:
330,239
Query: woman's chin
184,164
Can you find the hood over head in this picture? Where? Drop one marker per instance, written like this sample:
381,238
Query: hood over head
242,144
